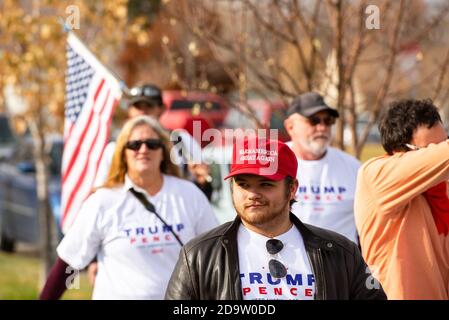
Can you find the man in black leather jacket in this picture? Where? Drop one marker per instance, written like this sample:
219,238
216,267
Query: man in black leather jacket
267,252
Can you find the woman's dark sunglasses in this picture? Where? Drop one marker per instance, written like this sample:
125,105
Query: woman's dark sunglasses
152,144
277,269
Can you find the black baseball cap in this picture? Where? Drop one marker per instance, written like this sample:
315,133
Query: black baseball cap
146,93
308,104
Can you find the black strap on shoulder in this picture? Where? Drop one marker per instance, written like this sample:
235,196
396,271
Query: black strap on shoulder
150,207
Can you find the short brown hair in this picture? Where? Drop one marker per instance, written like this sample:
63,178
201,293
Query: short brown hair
401,119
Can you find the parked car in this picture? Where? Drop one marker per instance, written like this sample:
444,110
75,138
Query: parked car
7,138
19,220
182,105
271,115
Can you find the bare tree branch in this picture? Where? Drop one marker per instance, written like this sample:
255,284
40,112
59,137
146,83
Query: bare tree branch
291,38
336,10
315,53
441,77
394,44
271,28
432,25
357,46
308,73
353,117
274,65
309,32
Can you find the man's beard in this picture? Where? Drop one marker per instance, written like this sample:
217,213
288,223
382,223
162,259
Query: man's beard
262,217
316,146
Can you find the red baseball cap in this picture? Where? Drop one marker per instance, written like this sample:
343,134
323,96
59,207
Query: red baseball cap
271,159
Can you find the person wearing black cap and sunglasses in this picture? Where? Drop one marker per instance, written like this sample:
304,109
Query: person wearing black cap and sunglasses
147,100
267,252
328,175
142,100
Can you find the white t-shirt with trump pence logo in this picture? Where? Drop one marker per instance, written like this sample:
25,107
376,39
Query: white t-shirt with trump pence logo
136,253
256,280
326,192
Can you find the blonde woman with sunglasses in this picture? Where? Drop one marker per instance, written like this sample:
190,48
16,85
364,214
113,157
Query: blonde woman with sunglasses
136,223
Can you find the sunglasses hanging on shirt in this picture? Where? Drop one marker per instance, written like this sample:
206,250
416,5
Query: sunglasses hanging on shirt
277,269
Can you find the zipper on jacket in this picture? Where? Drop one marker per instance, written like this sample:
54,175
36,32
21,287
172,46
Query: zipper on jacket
316,261
321,268
232,261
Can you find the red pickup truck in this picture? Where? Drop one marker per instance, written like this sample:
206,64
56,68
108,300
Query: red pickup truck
182,106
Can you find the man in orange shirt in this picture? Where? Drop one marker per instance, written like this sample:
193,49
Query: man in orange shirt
402,205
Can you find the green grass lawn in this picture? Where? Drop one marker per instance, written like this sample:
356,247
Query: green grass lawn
19,279
371,150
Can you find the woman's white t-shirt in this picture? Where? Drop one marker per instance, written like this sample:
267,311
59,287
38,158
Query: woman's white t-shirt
136,253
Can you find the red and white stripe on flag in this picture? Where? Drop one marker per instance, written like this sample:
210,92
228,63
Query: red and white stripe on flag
92,94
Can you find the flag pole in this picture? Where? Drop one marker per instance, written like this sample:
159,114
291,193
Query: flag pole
68,30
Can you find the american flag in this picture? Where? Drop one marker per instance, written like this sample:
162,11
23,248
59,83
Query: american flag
92,93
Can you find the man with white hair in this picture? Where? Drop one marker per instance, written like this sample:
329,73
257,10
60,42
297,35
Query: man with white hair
328,176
